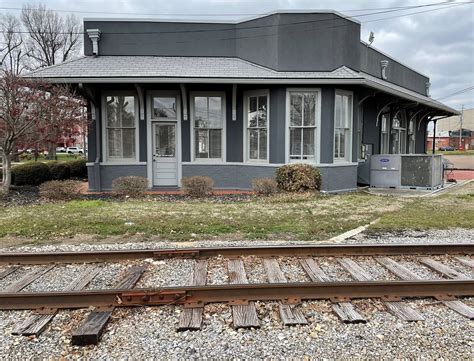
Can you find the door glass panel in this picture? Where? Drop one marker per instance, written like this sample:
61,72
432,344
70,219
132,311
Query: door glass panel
165,140
164,107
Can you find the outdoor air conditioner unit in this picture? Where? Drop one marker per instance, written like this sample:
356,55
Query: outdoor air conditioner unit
413,171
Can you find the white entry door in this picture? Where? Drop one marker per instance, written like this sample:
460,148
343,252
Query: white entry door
165,159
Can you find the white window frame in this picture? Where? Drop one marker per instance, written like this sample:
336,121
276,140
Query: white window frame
317,125
105,144
247,95
400,130
385,142
411,151
348,143
224,126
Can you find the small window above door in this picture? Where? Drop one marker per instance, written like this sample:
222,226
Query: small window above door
164,107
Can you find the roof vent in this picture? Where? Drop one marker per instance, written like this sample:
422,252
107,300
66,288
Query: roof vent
94,35
384,65
427,86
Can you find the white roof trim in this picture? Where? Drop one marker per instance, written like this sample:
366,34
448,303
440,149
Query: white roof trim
243,20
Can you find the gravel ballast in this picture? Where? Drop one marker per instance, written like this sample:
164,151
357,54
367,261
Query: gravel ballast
150,332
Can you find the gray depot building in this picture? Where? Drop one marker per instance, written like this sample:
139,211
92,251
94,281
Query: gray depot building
235,100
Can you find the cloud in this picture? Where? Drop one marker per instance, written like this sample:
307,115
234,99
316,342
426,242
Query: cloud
438,43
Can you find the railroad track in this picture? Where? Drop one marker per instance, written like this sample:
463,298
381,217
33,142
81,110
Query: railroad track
451,263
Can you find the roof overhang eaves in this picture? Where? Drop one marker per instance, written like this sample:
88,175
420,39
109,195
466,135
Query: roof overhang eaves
115,80
408,95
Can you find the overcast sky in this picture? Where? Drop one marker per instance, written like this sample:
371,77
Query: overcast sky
438,43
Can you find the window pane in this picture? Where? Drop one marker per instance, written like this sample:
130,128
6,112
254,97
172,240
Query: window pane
215,112
201,144
215,143
200,112
128,139
253,113
164,107
309,109
253,144
295,110
295,141
342,144
114,137
338,115
120,111
165,140
308,141
336,143
262,111
263,144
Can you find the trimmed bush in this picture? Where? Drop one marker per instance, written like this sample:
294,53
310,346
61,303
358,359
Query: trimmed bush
30,174
59,171
60,190
298,178
77,168
264,186
197,186
131,186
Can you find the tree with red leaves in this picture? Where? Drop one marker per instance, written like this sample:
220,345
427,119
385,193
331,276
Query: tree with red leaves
32,112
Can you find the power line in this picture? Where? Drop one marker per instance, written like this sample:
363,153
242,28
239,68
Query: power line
457,93
443,6
399,8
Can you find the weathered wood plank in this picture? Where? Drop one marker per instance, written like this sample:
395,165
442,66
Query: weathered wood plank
290,315
273,270
314,272
244,316
407,275
347,313
356,271
8,271
460,308
466,261
403,311
398,269
27,279
399,308
442,269
36,323
191,318
344,310
90,331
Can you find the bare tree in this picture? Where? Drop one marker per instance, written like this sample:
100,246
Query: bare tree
12,47
52,39
29,111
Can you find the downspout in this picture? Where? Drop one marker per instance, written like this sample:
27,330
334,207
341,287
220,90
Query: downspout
434,136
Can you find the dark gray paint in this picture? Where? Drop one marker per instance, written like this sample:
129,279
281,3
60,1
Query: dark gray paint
110,172
277,124
284,42
396,72
327,125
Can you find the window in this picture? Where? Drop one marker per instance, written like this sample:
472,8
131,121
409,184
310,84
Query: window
120,124
209,120
411,136
398,134
343,126
164,107
257,127
302,125
384,140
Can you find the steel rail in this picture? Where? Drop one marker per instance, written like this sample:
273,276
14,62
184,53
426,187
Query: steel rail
262,251
197,296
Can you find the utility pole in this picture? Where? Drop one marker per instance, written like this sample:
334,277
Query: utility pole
460,127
